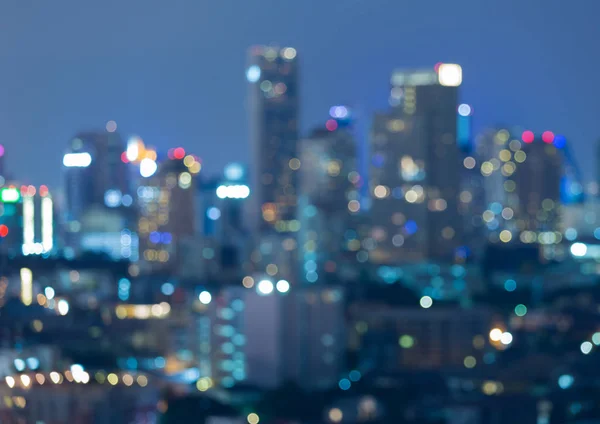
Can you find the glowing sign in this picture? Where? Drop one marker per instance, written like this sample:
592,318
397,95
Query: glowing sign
10,195
233,192
450,75
77,160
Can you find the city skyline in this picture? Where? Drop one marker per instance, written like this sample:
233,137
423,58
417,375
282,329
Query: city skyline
193,102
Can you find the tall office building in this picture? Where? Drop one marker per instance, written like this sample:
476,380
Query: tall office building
166,202
329,200
97,181
272,335
415,169
274,107
522,178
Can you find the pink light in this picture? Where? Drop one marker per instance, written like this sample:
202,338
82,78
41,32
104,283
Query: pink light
331,125
1,150
43,191
124,157
179,153
548,136
436,67
528,136
170,154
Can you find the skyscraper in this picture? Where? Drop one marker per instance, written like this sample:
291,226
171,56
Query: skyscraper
97,181
166,200
329,200
273,77
415,168
522,178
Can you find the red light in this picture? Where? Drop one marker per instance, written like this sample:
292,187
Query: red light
3,230
331,125
528,136
548,137
179,153
23,190
43,191
124,157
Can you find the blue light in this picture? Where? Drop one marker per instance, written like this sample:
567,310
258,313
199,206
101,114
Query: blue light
310,266
344,384
560,141
237,305
565,381
310,211
410,227
311,277
354,375
33,363
510,285
166,238
597,233
155,237
19,364
213,213
132,363
378,160
167,289
159,362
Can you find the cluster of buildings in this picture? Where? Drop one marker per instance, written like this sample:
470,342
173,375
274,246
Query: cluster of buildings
337,261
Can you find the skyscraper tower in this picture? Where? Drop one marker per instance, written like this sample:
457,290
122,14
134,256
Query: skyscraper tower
415,168
273,78
97,184
329,200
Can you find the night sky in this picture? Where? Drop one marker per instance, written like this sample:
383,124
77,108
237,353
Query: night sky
173,71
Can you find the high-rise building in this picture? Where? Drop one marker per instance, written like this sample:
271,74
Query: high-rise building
522,178
329,201
274,107
97,180
415,169
166,201
27,221
271,335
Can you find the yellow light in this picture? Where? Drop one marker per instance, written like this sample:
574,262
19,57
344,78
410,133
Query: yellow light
253,418
142,380
195,168
127,379
450,75
470,362
25,380
112,379
188,160
40,378
381,191
520,156
26,286
272,269
411,196
248,282
335,415
505,236
56,377
487,168
496,334
294,164
504,155
489,388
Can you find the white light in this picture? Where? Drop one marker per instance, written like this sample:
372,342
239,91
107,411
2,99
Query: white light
450,75
112,198
464,110
63,307
283,286
10,382
49,292
506,338
253,73
426,302
205,297
289,53
586,347
26,286
25,380
234,171
233,192
133,149
495,335
78,160
578,249
265,287
147,167
47,225
28,225
338,112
